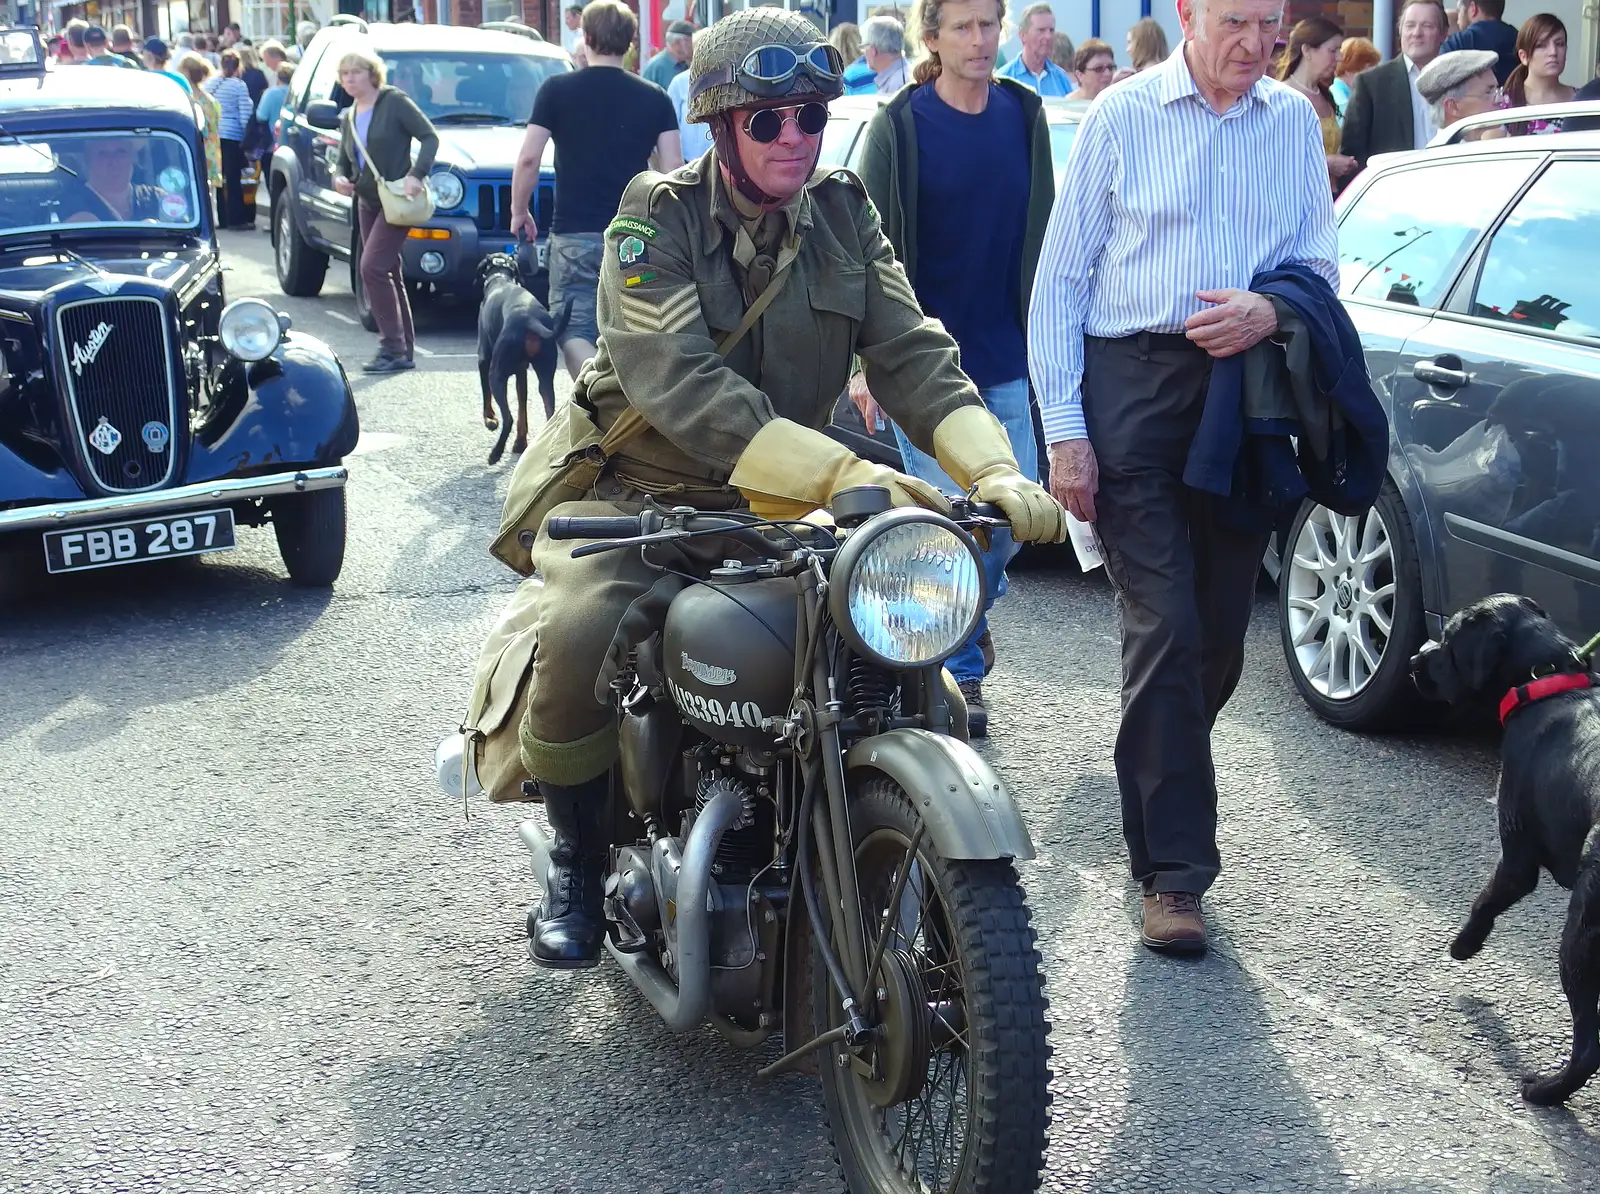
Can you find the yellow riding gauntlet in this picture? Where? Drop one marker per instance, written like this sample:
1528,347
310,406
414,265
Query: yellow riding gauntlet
789,470
972,446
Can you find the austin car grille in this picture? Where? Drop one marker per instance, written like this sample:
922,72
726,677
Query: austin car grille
116,362
494,207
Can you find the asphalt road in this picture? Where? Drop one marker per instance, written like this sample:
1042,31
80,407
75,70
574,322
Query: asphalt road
245,945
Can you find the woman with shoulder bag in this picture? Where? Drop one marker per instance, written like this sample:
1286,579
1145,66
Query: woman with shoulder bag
390,193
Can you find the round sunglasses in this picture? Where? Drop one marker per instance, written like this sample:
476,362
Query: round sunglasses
766,124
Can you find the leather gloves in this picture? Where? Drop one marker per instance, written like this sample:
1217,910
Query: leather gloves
971,445
789,470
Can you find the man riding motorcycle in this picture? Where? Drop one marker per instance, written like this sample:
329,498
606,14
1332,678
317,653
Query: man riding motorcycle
733,296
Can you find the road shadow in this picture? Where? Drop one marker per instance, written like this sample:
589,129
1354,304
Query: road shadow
1503,1059
162,632
1210,1102
569,1083
452,552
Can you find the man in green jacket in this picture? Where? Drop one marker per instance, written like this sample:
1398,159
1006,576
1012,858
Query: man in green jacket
959,167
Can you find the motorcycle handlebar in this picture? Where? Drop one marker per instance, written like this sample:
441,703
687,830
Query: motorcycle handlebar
622,526
604,526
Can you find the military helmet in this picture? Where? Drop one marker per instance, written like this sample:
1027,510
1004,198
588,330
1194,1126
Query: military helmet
719,80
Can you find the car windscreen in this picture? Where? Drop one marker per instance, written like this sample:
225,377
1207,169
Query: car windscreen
472,88
97,179
837,140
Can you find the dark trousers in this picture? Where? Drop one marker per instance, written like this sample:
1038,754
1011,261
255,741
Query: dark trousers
384,279
1185,584
232,183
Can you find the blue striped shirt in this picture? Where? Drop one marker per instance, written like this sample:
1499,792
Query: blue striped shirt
1164,197
233,98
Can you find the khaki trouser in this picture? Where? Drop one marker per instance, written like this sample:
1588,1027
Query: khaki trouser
546,666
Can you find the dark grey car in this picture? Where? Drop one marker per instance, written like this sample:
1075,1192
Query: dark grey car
1472,272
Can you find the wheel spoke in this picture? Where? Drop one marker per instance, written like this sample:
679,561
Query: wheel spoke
1317,622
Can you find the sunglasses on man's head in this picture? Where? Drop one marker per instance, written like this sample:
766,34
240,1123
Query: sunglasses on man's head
766,124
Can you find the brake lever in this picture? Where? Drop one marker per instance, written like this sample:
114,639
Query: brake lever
593,549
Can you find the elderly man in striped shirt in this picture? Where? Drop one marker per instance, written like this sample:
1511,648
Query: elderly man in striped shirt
1184,183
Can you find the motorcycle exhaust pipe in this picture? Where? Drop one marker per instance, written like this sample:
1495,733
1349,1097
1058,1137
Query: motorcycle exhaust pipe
684,1005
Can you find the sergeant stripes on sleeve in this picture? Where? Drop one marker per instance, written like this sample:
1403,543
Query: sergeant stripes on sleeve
659,311
893,282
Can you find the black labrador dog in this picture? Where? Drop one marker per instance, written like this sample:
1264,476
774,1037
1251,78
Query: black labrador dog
1505,650
514,331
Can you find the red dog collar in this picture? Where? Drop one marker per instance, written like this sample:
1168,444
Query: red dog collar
1536,690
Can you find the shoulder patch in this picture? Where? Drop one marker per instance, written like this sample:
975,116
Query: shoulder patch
632,226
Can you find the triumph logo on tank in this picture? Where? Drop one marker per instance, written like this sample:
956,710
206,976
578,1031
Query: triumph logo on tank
84,353
717,677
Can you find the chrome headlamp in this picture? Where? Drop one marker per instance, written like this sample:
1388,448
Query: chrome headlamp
448,189
907,588
250,329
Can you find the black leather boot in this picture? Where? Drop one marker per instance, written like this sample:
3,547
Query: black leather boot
566,930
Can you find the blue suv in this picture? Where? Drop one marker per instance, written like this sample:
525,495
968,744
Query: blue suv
477,87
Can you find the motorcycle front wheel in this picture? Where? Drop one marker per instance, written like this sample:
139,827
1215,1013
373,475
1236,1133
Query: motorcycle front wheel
952,1095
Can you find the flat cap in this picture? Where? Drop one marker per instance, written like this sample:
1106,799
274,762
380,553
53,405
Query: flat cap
680,29
1452,70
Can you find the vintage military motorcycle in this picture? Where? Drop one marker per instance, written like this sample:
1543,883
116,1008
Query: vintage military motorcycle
808,847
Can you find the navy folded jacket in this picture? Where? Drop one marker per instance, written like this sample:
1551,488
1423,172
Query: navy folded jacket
1312,376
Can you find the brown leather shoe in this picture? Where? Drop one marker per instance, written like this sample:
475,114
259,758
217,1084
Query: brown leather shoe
1173,924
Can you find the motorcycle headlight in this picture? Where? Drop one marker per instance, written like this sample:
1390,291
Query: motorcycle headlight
907,588
448,190
249,329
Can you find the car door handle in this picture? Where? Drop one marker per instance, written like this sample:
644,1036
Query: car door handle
1437,375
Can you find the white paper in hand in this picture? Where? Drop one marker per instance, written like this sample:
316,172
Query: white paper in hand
1084,544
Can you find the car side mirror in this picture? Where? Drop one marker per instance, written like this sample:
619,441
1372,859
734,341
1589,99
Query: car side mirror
322,114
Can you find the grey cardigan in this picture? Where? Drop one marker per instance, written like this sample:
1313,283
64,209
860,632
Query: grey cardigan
396,122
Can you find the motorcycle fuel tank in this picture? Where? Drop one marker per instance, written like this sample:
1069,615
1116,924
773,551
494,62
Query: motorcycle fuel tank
728,655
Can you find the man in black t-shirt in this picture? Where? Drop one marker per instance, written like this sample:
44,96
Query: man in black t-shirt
606,123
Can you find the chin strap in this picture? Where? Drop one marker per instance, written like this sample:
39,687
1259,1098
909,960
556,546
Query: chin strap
726,142
727,146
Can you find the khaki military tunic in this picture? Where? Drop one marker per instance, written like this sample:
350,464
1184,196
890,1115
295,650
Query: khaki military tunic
682,265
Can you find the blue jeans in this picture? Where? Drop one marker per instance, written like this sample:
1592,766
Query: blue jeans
1009,403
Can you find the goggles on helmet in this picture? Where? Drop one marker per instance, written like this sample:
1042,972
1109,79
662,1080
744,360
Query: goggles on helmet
770,71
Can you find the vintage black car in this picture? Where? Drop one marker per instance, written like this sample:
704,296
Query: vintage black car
142,416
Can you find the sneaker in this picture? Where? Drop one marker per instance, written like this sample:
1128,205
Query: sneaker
977,715
1173,923
386,363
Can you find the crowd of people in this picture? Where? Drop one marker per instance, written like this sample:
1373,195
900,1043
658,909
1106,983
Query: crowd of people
237,87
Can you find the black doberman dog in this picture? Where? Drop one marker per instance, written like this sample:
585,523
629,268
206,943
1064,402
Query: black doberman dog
1506,650
515,331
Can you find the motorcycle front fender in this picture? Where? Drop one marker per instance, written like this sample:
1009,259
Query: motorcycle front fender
967,808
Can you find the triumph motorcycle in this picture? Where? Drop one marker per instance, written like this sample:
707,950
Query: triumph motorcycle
809,849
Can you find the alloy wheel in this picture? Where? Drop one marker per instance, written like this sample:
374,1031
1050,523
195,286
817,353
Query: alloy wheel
1340,600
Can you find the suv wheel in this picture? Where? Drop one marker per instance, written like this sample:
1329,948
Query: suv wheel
363,308
301,268
1350,612
311,534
